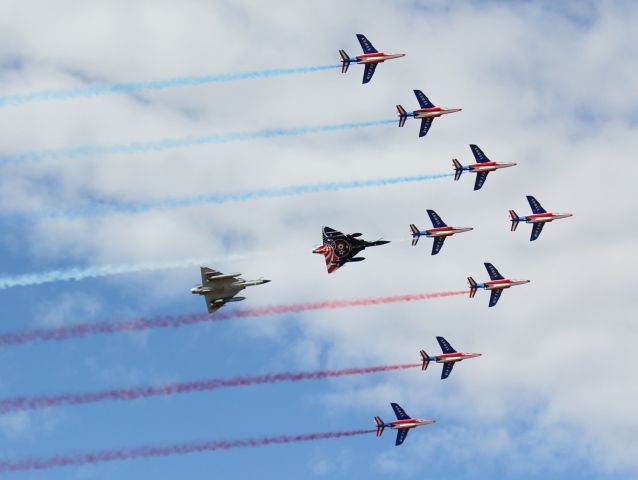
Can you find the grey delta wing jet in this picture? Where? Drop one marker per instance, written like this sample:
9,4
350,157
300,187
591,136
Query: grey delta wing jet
219,288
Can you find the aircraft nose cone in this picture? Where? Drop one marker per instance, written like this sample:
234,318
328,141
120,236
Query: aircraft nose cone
263,280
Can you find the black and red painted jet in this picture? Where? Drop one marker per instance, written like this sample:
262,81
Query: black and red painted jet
339,248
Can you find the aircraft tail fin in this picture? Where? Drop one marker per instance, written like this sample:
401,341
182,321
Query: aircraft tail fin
380,426
403,115
415,234
514,220
458,169
473,286
345,61
425,359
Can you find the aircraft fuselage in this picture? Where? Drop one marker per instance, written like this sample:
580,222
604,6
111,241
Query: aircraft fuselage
487,166
379,57
444,231
500,284
453,357
544,217
408,423
433,112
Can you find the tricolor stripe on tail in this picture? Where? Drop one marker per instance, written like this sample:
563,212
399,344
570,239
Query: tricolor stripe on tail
345,61
403,115
458,169
415,234
425,359
514,220
380,425
473,286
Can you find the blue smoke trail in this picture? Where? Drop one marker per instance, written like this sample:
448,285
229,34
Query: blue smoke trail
170,143
115,88
81,273
219,198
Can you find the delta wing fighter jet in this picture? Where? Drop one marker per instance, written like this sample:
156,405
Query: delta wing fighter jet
370,59
496,284
426,113
438,233
538,218
448,358
339,248
402,424
219,289
482,167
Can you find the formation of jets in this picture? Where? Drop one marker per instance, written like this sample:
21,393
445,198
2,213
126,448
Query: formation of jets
339,248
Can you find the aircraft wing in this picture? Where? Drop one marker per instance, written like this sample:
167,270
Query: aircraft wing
366,46
402,433
436,220
369,71
330,234
447,369
496,294
424,102
492,272
480,180
536,231
207,273
426,123
478,154
210,298
399,412
534,205
437,245
445,345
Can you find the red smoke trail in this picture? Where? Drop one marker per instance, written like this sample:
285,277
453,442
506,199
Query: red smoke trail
165,451
132,393
137,324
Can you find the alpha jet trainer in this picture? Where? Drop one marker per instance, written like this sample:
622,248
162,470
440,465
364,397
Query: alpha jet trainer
448,358
339,248
538,218
438,233
482,167
371,58
219,289
496,284
426,113
402,424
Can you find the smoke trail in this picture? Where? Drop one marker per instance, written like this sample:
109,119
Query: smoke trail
138,324
78,273
132,393
115,88
245,196
171,143
56,461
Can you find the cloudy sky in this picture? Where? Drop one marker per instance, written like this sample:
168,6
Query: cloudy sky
552,86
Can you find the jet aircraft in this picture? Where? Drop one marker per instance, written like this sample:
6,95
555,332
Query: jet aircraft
482,167
426,113
438,233
496,284
371,57
538,218
402,424
339,248
448,358
219,289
